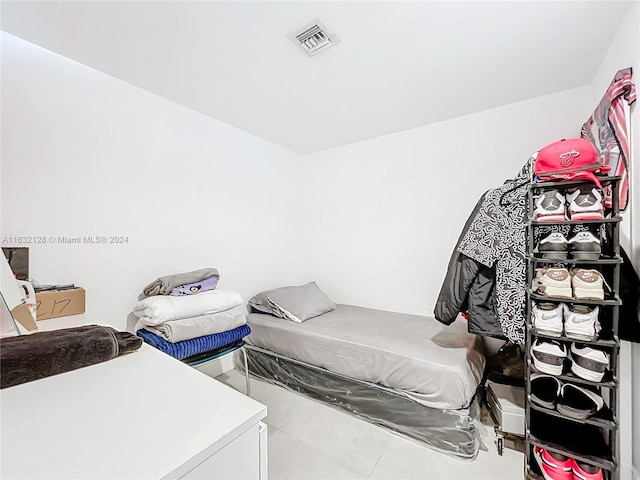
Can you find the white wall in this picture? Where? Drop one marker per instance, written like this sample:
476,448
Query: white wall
625,52
86,154
383,215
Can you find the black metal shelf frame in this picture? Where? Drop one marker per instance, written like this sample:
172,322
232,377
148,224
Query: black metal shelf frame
605,463
603,419
602,342
606,423
611,301
604,181
575,261
535,223
609,380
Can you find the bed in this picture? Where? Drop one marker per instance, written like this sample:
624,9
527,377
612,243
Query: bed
408,373
412,354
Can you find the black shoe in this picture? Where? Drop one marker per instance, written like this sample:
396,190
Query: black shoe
507,365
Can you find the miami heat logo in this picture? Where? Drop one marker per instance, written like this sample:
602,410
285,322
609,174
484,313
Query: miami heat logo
566,159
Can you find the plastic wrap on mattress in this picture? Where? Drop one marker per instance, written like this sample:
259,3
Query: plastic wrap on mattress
453,432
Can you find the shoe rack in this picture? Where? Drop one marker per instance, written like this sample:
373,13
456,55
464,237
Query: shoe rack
593,441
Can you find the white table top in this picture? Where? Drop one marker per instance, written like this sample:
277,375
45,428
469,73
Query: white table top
142,415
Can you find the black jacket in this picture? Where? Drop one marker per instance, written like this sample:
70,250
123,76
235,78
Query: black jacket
629,322
468,287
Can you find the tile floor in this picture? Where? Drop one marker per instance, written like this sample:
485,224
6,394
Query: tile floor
310,440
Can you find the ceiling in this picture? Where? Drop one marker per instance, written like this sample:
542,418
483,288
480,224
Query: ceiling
398,65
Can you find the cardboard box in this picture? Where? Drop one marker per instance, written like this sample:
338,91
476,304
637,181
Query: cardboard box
23,316
60,303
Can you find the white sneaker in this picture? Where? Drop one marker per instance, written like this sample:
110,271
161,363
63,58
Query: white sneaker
587,284
585,204
552,247
548,356
581,321
588,363
547,318
550,207
584,246
552,282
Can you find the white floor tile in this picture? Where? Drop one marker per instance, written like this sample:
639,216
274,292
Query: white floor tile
352,442
290,459
509,466
406,460
310,440
234,379
281,403
271,430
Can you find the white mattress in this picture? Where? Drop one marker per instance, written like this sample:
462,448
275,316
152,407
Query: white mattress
436,365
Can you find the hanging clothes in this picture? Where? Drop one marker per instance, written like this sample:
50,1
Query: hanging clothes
495,237
629,321
468,287
608,130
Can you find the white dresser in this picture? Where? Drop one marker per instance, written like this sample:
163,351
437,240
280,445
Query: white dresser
142,415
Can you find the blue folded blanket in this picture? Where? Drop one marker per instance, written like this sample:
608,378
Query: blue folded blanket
187,348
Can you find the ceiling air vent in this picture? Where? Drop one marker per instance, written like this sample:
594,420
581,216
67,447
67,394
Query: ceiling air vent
314,38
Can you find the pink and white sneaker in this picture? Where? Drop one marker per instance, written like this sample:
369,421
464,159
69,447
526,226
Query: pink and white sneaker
552,465
550,207
584,471
585,204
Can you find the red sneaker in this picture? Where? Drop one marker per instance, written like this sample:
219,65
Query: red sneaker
554,466
584,471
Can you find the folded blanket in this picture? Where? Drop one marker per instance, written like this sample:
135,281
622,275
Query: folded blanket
199,358
188,328
188,348
196,287
31,357
160,309
164,285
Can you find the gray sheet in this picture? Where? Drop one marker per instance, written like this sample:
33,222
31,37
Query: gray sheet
438,366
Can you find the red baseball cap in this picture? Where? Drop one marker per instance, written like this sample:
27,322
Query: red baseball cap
568,159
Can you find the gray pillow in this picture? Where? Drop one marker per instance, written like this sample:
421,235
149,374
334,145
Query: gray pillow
293,303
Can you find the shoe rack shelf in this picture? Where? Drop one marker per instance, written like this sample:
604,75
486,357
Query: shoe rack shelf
606,463
602,341
604,260
609,380
604,418
609,300
594,440
615,219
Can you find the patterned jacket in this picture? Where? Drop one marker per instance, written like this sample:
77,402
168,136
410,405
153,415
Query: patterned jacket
468,287
494,237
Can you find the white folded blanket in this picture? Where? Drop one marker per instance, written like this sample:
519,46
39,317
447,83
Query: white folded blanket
193,327
163,308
